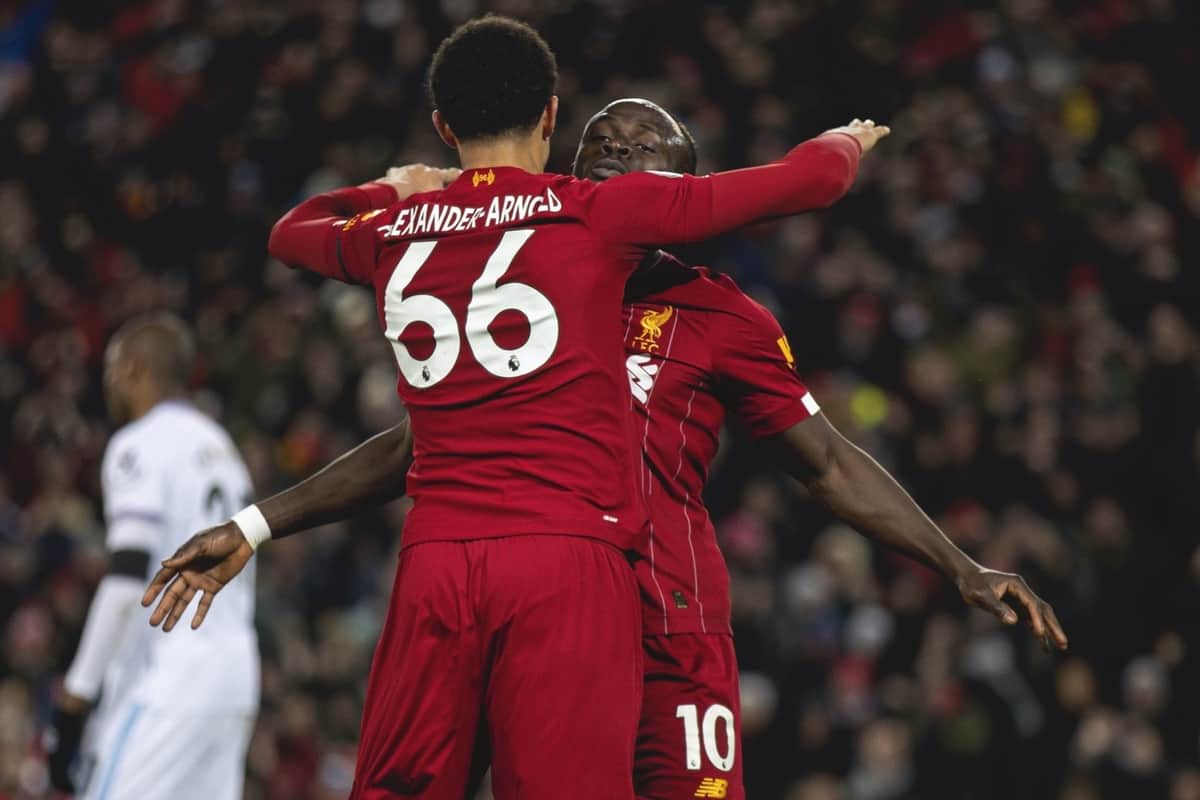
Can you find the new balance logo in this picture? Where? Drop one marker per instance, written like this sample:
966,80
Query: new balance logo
712,787
641,376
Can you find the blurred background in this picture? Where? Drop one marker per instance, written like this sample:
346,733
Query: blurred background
1004,311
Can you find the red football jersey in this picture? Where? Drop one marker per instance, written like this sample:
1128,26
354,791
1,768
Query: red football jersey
500,295
696,347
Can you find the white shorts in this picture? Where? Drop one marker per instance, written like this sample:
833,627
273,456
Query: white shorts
155,754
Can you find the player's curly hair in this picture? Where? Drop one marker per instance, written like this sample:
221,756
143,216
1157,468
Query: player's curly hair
491,76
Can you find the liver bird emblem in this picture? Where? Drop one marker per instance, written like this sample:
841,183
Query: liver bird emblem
652,322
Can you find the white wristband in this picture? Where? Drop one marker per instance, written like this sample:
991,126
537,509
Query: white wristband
253,526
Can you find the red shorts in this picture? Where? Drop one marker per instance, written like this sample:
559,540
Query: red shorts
533,639
689,738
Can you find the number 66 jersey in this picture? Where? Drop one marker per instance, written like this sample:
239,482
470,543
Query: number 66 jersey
501,296
503,309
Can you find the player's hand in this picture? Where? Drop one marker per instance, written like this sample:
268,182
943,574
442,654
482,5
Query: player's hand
416,178
205,563
865,132
61,741
988,589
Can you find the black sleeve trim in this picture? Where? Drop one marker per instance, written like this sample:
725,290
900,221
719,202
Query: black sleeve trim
130,563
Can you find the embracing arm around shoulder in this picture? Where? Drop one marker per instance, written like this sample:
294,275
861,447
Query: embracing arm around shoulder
323,234
652,208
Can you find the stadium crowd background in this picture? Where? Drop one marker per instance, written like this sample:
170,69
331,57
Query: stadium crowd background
1004,312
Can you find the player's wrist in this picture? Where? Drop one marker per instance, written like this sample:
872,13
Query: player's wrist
62,740
960,569
846,135
253,525
380,194
73,703
65,730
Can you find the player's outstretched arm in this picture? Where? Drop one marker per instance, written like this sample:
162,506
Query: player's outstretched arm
860,492
372,473
644,208
307,236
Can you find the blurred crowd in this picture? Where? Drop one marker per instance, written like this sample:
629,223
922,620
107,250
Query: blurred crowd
1002,312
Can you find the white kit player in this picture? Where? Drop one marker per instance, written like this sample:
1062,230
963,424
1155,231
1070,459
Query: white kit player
175,712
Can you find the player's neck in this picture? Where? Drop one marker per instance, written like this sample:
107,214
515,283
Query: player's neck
526,154
141,403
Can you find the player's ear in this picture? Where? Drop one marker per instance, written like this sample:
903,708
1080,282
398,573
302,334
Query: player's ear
443,129
132,368
550,118
681,162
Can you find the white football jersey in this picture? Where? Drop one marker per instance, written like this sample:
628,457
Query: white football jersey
166,476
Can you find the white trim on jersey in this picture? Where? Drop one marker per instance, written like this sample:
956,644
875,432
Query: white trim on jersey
687,517
647,481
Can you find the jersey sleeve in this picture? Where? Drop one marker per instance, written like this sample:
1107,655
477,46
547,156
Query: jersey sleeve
650,208
756,371
134,496
328,234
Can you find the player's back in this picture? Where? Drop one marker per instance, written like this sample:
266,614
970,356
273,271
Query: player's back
501,296
502,306
175,472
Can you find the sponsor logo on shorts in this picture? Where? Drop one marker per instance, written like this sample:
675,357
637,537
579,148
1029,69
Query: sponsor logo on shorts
712,787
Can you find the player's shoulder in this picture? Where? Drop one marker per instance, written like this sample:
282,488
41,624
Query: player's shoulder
138,435
192,425
479,200
721,285
623,183
731,299
167,428
665,278
627,188
125,454
133,452
488,181
565,186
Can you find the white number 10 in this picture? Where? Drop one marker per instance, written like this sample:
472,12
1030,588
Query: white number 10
488,301
694,731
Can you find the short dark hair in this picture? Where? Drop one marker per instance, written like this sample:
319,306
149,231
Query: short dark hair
163,344
491,76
